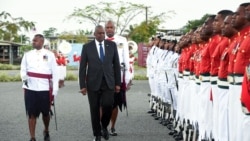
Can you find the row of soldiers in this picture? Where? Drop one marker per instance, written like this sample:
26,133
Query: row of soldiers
206,95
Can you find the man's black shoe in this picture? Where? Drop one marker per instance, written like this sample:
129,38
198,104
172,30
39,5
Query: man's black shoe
112,132
32,139
105,133
97,138
46,135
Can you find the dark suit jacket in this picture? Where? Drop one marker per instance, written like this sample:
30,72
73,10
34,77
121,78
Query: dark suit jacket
92,69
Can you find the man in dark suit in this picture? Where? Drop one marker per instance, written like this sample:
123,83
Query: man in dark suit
100,77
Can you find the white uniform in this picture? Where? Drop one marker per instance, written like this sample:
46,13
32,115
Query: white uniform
42,62
172,77
131,66
123,51
150,74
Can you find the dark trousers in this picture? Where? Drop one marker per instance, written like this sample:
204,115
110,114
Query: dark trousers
102,98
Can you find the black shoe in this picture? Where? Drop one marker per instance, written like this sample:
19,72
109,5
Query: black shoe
157,118
105,133
179,138
150,112
46,136
112,132
172,132
32,139
97,138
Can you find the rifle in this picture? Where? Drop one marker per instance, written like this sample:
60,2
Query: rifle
55,113
176,82
171,96
51,112
123,68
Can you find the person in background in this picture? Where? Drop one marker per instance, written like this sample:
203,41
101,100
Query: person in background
122,47
132,60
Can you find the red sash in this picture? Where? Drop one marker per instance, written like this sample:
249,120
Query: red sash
45,76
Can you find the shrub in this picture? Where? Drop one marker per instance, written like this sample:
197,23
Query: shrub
4,77
71,76
9,67
140,77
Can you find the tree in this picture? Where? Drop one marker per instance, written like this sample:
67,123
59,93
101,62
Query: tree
122,13
78,37
24,49
144,31
50,32
10,26
195,23
22,39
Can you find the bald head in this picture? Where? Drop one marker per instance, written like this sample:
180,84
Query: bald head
110,28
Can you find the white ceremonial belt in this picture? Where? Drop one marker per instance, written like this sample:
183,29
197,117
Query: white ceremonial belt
197,80
245,110
213,78
186,73
238,80
191,77
230,79
204,78
180,75
223,83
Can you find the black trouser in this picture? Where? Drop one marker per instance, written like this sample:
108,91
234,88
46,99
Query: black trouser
103,98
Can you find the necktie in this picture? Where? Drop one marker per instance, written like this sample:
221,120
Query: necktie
101,52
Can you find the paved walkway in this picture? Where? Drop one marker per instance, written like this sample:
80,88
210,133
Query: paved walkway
73,116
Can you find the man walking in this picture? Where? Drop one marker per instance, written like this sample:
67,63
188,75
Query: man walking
100,78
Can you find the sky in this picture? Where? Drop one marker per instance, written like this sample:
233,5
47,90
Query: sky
52,13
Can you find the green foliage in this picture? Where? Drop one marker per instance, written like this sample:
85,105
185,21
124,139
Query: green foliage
144,31
121,12
16,78
9,67
24,49
72,67
71,76
50,32
10,26
7,78
79,37
195,23
140,77
4,77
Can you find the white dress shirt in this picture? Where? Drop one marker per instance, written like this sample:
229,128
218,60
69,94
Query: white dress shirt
43,62
98,47
123,51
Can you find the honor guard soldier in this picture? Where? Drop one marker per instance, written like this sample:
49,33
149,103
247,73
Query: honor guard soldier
122,46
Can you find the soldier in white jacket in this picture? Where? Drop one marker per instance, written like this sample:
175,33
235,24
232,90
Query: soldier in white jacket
40,83
122,44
